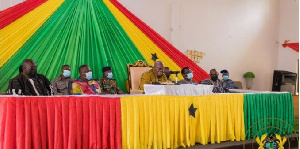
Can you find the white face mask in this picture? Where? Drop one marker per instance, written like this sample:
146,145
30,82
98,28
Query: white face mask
89,75
66,73
190,76
109,75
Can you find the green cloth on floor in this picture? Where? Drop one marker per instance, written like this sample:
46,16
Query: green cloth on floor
268,113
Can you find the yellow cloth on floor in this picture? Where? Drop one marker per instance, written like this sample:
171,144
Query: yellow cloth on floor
165,122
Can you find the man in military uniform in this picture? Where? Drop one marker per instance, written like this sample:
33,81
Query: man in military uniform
107,84
155,75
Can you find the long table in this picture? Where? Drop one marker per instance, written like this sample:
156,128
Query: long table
178,90
140,121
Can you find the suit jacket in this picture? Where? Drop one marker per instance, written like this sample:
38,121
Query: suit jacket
22,86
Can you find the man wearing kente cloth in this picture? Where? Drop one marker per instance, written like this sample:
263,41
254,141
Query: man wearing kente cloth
85,85
155,75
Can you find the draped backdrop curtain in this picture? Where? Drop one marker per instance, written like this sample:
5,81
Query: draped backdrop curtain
97,33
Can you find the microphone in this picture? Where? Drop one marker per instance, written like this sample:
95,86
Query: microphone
174,72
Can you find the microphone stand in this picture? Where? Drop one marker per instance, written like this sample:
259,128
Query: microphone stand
176,83
176,73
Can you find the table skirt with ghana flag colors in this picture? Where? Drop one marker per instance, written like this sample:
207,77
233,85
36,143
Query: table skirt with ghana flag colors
138,121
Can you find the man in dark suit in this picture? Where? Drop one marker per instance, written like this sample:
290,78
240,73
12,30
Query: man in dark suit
29,82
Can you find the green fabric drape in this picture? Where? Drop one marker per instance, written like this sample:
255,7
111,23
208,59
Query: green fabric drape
79,32
265,111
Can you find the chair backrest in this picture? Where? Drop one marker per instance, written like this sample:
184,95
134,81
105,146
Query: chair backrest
135,72
238,84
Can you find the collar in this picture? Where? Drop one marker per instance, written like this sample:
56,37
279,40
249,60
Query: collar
79,79
60,77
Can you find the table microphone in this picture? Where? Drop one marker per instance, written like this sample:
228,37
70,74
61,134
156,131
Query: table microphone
175,72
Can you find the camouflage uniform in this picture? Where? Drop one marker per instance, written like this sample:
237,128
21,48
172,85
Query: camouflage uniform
109,86
149,77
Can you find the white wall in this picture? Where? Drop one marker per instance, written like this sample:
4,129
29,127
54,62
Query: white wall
236,35
4,4
289,30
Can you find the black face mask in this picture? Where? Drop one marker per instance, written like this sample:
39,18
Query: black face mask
214,78
32,72
168,75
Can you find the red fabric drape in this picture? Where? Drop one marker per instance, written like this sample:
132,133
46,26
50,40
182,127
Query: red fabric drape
11,14
294,46
180,59
60,122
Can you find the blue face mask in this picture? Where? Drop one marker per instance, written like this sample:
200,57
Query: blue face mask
225,78
66,73
89,75
110,75
190,76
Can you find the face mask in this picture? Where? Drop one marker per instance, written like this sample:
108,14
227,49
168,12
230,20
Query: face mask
110,75
66,73
225,78
168,75
89,75
214,78
190,76
32,72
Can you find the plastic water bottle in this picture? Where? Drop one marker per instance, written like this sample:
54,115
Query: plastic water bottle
14,92
20,92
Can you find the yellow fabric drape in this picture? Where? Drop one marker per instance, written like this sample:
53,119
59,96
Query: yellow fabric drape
17,33
141,41
164,121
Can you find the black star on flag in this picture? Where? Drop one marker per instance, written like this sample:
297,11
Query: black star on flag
192,110
154,57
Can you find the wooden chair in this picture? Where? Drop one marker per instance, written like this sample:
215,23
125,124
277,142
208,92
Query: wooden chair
238,84
135,72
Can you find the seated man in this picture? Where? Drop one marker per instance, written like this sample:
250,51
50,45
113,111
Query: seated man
187,74
229,82
155,75
85,84
29,82
61,85
219,86
107,84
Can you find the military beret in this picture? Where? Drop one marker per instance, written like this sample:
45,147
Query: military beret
106,68
224,71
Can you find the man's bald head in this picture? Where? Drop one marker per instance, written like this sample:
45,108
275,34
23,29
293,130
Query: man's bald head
29,68
27,62
213,71
84,69
213,74
158,68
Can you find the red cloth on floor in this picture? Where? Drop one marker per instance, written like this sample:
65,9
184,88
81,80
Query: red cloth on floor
60,122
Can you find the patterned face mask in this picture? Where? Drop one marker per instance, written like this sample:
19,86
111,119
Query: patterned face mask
214,77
